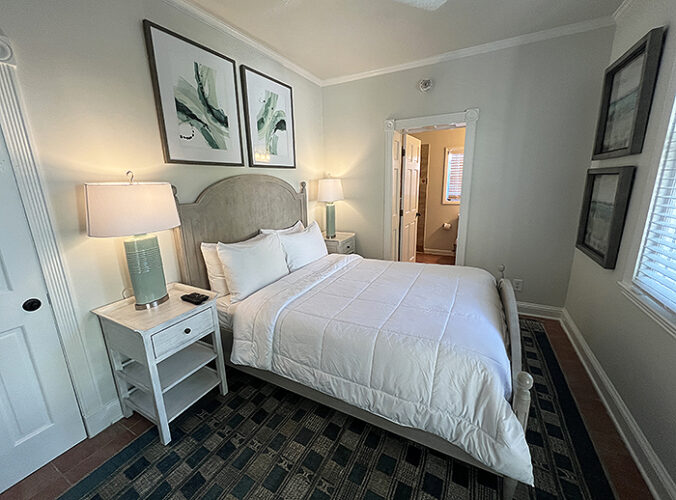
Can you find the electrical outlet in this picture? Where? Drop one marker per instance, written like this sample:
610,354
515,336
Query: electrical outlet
518,285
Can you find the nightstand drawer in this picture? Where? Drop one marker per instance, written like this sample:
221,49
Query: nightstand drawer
185,332
346,246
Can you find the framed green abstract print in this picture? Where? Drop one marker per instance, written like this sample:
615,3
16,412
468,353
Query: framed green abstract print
196,98
268,111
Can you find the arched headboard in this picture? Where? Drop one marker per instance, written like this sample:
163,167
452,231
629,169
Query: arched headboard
231,210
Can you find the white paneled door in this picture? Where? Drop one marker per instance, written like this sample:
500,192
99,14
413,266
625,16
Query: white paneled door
39,416
397,148
410,180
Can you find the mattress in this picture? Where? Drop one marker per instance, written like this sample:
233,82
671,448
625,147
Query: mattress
421,345
226,311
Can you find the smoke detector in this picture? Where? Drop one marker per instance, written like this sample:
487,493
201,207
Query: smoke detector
425,85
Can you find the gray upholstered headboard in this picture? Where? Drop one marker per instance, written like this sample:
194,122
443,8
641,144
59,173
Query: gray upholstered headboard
231,210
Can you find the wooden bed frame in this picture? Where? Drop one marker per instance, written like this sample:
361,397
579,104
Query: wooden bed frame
234,209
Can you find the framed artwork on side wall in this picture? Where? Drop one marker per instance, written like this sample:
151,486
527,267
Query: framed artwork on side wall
268,111
604,208
196,99
628,88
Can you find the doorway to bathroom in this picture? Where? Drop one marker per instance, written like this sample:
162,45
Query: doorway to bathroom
429,163
439,194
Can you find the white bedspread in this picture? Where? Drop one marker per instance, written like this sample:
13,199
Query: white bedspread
418,344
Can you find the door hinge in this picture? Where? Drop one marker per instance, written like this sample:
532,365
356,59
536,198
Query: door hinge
401,213
403,152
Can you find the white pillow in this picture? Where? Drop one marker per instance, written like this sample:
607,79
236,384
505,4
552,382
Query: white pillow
250,265
297,227
303,247
215,272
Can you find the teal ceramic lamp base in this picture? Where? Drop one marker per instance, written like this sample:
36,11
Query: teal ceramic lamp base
330,220
145,270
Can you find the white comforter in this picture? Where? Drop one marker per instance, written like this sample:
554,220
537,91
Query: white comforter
418,344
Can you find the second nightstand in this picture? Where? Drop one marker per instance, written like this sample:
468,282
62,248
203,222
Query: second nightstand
342,243
159,357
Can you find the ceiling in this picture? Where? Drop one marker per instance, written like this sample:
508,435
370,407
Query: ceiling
333,39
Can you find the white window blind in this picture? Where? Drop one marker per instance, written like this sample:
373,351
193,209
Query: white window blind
454,176
656,267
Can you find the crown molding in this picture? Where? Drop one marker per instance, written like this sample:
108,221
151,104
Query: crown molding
538,36
624,6
210,19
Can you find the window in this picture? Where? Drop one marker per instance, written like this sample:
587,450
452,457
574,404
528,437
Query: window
655,270
453,176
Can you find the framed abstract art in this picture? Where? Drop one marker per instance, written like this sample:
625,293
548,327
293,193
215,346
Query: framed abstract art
604,208
196,99
628,88
268,112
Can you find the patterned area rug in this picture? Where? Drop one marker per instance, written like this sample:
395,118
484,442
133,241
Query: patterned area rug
261,442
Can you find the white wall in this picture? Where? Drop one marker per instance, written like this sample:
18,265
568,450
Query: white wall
638,355
538,106
85,79
436,213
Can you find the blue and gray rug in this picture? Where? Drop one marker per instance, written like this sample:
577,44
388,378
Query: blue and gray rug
262,442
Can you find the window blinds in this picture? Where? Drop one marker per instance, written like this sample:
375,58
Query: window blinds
454,179
656,267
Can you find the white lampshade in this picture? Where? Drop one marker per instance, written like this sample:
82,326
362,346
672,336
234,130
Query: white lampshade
124,209
330,190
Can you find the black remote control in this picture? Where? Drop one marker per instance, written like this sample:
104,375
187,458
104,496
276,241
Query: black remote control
195,298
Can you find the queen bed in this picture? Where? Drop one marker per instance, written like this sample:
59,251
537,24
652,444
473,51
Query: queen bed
430,353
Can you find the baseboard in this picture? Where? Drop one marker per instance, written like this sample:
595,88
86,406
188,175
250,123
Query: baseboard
438,251
539,310
103,418
654,472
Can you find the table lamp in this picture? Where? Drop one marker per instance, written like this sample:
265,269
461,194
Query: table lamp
330,190
135,209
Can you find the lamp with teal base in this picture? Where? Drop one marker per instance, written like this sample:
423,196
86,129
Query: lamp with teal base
135,208
330,190
145,270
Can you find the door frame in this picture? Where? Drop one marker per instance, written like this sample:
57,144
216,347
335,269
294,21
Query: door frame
467,119
23,161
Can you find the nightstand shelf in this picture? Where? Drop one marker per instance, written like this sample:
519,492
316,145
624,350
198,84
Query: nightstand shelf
161,361
177,399
172,370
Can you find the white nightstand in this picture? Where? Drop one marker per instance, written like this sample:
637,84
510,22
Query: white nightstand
159,356
341,243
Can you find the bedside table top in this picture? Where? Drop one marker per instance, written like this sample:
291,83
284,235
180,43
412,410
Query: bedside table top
340,236
124,313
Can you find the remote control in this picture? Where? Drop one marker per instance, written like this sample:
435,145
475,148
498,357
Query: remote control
195,298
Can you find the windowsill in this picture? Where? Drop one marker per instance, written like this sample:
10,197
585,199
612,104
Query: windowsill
656,311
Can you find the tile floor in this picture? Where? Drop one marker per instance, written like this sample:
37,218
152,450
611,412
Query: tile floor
57,476
427,258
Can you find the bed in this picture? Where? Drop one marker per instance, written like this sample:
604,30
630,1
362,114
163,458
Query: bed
430,353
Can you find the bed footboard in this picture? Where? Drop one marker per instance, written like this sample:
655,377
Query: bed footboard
522,382
521,407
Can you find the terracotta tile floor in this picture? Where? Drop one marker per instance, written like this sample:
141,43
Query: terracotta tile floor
427,258
57,476
65,470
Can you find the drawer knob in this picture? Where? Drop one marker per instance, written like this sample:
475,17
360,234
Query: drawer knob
187,330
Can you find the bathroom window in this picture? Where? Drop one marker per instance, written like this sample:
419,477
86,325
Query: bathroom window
453,160
655,271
